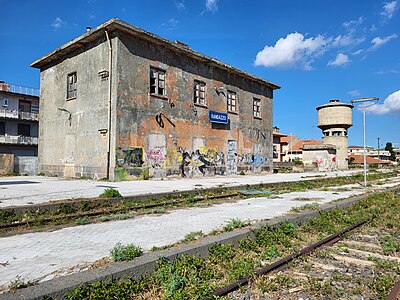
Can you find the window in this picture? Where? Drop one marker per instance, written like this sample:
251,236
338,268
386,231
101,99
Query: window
2,128
24,129
24,106
157,82
231,101
200,93
71,86
256,108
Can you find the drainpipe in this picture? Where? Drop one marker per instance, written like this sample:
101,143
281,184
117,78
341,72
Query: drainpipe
109,103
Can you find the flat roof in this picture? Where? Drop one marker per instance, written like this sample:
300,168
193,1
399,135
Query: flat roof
117,25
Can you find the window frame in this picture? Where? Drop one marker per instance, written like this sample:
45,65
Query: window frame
157,81
198,99
257,108
72,85
232,107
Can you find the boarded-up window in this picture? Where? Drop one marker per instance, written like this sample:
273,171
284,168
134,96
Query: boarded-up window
157,82
71,86
231,101
200,93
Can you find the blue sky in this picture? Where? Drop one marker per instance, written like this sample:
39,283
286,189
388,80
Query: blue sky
315,50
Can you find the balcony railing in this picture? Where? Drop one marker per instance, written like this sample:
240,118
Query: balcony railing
18,139
15,114
12,88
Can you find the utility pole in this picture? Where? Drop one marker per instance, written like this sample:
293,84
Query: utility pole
379,160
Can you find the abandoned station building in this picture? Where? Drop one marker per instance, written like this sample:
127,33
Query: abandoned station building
122,103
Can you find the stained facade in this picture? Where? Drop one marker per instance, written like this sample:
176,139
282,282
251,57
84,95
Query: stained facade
123,103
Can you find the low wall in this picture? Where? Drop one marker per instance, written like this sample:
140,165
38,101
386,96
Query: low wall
26,165
6,164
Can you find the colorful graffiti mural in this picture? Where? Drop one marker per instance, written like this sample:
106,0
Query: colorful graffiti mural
206,161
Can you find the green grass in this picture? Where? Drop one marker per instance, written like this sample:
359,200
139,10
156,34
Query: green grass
308,206
234,224
125,252
110,193
190,277
192,236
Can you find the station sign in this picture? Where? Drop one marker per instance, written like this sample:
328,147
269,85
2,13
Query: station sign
218,117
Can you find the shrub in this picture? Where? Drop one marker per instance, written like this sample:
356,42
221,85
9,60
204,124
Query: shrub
233,224
82,221
125,252
110,193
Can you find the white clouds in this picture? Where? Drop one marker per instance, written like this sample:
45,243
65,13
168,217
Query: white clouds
354,93
378,42
353,23
171,24
340,60
389,9
293,51
180,5
58,23
212,5
391,105
346,41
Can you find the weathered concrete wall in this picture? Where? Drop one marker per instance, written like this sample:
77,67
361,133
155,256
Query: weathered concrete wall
322,160
341,143
171,135
6,164
70,143
26,165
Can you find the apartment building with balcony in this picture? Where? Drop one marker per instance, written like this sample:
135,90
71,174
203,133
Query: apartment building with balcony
19,121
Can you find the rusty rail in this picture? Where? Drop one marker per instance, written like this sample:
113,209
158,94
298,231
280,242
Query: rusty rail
284,262
395,293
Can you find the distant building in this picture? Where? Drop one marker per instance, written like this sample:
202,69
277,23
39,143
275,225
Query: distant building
296,151
123,103
19,122
277,153
357,159
287,143
334,119
380,154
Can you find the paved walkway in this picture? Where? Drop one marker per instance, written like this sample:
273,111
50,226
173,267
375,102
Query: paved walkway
43,255
23,190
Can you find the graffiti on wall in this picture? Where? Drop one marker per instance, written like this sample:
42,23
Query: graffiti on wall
155,157
324,163
231,156
130,157
202,161
186,163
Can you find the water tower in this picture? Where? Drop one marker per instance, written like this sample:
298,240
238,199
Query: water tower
334,119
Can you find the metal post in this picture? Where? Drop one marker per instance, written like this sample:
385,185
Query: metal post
364,112
365,151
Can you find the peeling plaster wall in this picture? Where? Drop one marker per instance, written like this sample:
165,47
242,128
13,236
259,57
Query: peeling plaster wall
74,147
164,136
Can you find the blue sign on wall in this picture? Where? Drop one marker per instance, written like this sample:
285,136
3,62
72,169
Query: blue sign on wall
218,117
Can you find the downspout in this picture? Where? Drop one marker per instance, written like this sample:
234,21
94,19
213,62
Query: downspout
109,103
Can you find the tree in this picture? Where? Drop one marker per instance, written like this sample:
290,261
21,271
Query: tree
389,147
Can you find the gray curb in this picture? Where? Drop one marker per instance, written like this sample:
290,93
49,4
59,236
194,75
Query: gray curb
147,263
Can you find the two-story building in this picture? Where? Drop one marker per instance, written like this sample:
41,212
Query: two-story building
122,103
19,120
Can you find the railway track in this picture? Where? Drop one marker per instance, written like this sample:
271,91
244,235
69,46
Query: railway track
346,265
